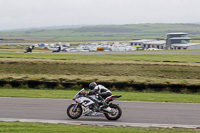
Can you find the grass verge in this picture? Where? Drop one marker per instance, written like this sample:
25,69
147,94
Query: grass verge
126,96
182,69
18,127
101,71
106,57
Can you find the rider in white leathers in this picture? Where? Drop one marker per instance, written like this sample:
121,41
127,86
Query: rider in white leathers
102,91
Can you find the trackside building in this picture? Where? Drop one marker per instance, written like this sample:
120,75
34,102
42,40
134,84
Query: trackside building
173,41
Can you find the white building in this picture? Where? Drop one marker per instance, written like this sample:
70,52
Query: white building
154,44
140,42
149,43
173,41
186,46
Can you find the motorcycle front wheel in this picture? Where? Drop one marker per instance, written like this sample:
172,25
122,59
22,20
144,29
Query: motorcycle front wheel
74,114
117,112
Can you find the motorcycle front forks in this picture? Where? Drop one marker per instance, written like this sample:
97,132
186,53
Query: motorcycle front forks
74,107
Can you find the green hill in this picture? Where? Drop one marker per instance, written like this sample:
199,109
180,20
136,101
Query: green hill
105,33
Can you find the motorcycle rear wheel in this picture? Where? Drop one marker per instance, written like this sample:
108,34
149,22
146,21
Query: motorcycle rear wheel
117,112
74,114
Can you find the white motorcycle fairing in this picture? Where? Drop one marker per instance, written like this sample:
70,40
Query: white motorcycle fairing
86,102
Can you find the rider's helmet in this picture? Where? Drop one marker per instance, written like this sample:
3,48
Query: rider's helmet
92,85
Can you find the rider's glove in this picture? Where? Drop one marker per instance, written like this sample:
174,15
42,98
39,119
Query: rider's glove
84,93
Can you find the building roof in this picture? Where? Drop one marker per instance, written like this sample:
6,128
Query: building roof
143,40
155,42
180,38
185,45
182,33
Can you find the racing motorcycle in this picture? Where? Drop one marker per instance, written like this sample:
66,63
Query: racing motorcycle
90,105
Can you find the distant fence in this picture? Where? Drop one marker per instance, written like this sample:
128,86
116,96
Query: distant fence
125,86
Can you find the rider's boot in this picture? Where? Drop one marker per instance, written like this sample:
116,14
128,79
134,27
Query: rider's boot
104,106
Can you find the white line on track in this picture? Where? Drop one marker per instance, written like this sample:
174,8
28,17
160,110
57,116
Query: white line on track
72,122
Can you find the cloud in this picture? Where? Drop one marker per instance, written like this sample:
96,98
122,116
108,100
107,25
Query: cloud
36,13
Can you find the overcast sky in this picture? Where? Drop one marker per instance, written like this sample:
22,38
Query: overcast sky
15,14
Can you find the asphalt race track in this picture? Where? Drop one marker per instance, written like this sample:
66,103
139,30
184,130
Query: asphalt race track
133,112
